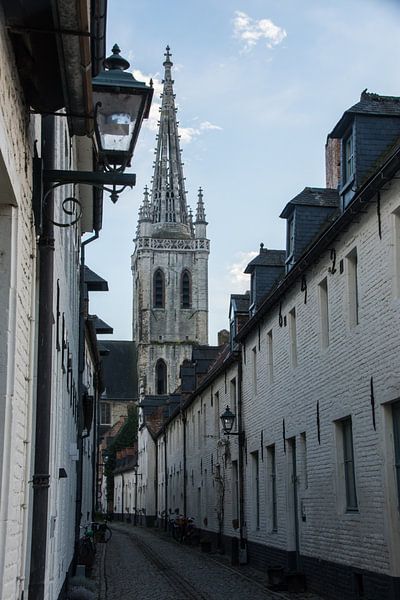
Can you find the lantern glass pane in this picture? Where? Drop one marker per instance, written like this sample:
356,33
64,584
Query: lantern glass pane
116,118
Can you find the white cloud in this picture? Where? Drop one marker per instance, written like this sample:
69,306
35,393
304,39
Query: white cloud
187,133
250,31
239,281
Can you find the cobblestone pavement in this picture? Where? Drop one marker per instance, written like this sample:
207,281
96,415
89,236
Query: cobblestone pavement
143,564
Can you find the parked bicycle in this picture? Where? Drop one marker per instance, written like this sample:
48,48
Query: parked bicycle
101,532
87,548
183,529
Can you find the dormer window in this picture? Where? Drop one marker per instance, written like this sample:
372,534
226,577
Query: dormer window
349,157
290,236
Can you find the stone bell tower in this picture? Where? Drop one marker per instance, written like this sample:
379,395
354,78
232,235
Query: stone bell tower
169,263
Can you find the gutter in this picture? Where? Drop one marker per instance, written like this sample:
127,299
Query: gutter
364,195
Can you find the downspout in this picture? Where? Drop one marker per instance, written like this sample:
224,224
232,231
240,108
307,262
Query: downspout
41,477
156,481
122,495
241,450
81,367
184,421
166,481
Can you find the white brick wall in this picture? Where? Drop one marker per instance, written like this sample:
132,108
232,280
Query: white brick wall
338,377
17,323
283,413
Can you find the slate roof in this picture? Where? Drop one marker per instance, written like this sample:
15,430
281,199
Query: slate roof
101,326
369,104
94,282
203,357
267,258
119,371
313,197
241,301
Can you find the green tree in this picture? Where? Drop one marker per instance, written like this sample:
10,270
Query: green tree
125,438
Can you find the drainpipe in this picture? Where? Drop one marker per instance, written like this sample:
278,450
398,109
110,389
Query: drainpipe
135,515
156,481
184,421
81,367
166,480
122,496
241,450
41,477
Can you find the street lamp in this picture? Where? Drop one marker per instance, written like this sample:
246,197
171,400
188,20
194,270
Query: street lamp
228,419
121,103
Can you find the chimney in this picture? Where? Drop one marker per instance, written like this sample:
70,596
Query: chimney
223,337
332,163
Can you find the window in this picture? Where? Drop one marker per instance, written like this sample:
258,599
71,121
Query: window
271,468
324,312
303,449
396,438
232,396
105,413
256,488
270,357
254,365
161,377
290,234
349,157
346,433
186,300
293,337
352,285
235,490
216,415
159,289
396,253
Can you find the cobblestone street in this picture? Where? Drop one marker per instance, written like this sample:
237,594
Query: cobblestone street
140,563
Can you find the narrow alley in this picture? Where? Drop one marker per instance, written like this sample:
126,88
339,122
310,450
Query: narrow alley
147,564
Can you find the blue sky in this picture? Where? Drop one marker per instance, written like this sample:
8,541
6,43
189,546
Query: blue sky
259,85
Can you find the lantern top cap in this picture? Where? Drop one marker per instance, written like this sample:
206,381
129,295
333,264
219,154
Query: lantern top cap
115,61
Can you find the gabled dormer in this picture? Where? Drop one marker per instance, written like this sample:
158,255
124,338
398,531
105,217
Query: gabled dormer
307,214
265,269
238,315
359,142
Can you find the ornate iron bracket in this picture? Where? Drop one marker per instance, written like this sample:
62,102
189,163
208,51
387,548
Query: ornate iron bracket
111,181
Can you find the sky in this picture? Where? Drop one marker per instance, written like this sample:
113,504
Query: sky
259,84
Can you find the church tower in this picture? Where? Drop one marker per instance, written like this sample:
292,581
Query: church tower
169,263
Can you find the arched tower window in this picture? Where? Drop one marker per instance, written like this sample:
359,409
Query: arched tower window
186,290
159,289
161,377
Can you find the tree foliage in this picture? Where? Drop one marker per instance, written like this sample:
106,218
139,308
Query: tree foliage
125,438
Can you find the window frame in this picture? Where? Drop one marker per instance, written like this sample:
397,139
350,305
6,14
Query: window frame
186,304
161,363
159,280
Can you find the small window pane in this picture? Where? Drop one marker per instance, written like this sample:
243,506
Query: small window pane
348,456
185,291
396,437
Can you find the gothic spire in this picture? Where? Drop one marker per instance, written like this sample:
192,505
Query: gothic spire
168,195
200,212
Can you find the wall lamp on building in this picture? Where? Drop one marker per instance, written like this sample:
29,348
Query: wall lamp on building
120,105
228,419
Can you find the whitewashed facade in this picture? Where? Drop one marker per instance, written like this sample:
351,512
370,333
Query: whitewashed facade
317,389
27,568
